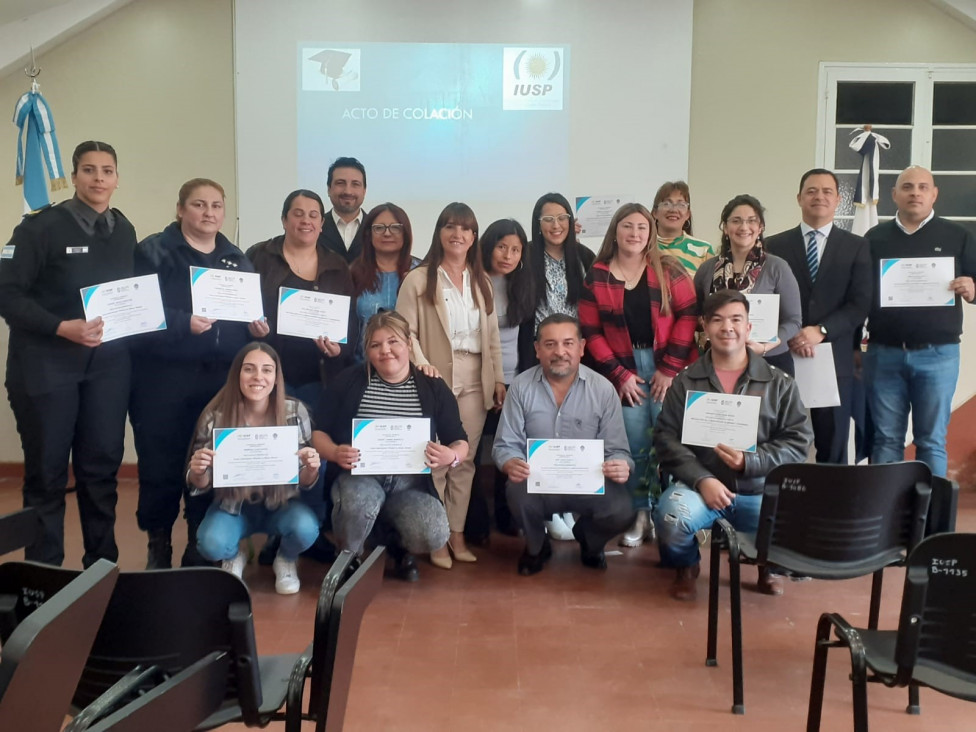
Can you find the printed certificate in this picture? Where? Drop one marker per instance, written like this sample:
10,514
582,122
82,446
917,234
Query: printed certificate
816,378
309,314
566,466
255,456
224,294
127,307
390,446
730,419
595,212
764,317
917,282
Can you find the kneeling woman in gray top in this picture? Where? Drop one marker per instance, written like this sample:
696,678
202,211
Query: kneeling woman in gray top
389,386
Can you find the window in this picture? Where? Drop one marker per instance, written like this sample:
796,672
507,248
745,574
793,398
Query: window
928,114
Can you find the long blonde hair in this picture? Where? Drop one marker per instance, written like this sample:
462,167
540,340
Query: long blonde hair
652,254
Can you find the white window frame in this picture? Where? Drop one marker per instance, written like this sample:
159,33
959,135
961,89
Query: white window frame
924,77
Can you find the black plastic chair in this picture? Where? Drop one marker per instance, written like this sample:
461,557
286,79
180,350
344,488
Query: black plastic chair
825,522
176,704
934,645
36,689
17,530
346,593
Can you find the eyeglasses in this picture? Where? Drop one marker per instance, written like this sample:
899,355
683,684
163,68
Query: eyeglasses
381,229
751,221
673,205
550,220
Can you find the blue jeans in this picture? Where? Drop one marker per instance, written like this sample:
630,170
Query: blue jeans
922,382
638,422
681,512
221,532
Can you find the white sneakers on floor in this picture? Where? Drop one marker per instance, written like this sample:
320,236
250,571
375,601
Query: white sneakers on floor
286,572
286,576
236,565
560,527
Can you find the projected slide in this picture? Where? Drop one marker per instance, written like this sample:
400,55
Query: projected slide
440,120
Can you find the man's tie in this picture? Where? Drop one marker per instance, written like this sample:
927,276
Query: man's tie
812,255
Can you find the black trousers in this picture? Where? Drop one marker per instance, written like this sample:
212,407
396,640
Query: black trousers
166,400
83,421
600,517
832,426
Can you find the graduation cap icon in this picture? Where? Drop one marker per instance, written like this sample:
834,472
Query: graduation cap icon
333,66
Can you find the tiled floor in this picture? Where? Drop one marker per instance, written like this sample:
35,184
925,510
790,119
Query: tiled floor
480,648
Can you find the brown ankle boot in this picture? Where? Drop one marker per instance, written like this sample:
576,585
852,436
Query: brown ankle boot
685,583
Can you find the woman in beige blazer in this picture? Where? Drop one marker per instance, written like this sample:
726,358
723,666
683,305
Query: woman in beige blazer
448,303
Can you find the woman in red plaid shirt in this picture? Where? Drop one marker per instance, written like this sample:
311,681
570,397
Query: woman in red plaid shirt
638,313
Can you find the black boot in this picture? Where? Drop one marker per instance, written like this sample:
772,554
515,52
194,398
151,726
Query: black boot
160,550
191,555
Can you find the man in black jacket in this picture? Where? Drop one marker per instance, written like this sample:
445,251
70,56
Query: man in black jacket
722,481
341,228
833,269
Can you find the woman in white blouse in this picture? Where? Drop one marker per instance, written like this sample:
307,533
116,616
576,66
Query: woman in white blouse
448,303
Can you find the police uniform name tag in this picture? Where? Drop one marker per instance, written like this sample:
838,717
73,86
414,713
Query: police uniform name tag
76,250
8,251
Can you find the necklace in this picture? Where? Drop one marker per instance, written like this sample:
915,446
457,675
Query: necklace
631,279
304,266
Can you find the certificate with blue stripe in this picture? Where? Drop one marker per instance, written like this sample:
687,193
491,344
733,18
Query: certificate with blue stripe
565,466
255,456
727,419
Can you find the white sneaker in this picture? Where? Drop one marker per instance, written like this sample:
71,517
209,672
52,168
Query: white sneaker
557,529
570,520
286,576
636,533
236,565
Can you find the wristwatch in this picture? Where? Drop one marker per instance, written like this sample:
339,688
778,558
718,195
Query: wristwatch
823,330
455,462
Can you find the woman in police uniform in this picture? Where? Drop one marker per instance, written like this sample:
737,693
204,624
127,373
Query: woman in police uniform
68,391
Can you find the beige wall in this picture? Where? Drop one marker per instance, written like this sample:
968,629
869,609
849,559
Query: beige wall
156,80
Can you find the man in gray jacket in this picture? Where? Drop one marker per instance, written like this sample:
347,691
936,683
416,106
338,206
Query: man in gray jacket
721,481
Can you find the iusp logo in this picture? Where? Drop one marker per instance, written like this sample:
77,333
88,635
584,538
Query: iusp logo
532,78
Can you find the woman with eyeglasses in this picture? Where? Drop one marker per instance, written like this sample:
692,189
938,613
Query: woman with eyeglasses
672,214
559,264
381,266
744,265
449,305
638,314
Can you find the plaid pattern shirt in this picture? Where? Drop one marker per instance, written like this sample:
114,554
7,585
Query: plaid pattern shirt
608,343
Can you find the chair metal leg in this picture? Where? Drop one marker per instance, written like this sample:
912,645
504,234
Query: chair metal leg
875,612
859,687
914,706
735,596
715,569
819,675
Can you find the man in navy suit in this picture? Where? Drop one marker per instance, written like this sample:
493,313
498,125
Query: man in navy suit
347,188
833,270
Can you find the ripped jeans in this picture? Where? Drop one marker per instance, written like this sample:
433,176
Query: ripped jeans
681,512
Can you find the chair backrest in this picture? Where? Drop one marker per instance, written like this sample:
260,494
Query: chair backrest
17,530
44,656
943,507
165,618
339,573
936,625
348,607
864,516
178,704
